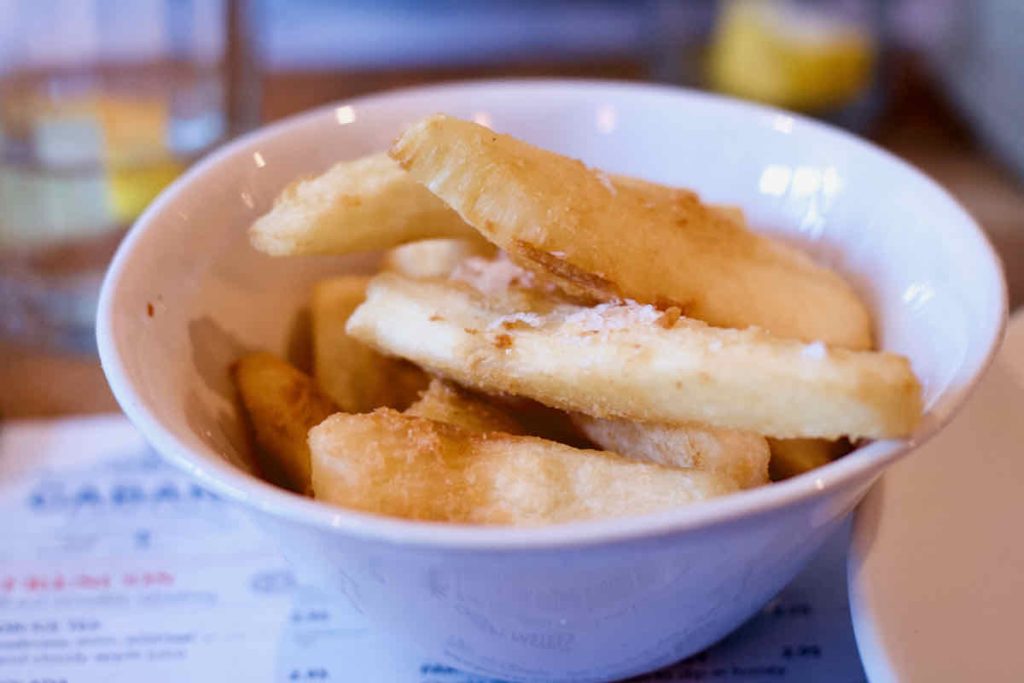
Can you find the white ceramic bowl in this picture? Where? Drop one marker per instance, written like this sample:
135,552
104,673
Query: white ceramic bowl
581,602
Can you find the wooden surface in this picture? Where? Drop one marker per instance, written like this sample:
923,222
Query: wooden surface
918,126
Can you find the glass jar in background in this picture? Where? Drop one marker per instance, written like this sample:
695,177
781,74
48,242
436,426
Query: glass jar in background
820,57
102,103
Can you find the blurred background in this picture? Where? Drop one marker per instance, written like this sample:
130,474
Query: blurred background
104,102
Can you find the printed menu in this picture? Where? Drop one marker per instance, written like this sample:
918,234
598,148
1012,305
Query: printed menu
117,567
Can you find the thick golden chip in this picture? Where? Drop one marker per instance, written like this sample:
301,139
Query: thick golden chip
612,238
282,404
729,211
393,464
740,456
356,377
634,362
448,403
791,457
360,205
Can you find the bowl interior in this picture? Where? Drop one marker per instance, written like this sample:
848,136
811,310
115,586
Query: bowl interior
186,294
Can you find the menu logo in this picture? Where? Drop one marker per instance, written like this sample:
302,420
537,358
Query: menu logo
54,496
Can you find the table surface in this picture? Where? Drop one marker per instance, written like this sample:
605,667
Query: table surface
918,126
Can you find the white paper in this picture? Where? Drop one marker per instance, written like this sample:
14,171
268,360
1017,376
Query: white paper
116,567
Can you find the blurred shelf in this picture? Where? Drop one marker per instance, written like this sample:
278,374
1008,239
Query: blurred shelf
40,384
291,92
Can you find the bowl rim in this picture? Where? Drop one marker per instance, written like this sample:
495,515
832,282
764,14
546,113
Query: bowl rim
224,479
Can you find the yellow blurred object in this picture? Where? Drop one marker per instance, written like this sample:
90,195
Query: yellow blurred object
138,162
132,188
134,128
789,55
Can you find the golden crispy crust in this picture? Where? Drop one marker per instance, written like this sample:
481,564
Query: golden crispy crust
451,404
740,456
359,205
404,466
619,237
282,404
356,377
617,361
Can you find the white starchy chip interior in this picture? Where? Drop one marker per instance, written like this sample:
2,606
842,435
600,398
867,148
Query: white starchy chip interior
493,277
741,456
613,316
815,350
434,257
738,379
